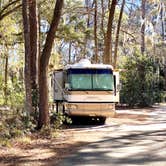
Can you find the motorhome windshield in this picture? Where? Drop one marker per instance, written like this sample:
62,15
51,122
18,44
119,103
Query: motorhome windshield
90,79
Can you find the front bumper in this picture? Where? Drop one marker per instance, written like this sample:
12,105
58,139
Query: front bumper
90,109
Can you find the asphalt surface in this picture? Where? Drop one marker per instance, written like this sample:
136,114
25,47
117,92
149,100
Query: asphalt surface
142,144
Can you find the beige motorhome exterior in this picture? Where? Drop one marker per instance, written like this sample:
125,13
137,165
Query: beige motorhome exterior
86,89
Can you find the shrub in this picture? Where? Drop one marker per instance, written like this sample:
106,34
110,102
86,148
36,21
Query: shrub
140,81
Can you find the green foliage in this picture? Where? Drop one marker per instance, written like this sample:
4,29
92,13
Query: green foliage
9,129
14,124
69,34
7,28
5,142
15,92
140,81
124,18
45,131
55,62
57,120
35,97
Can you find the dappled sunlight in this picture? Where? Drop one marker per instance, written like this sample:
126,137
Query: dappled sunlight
41,153
136,148
121,142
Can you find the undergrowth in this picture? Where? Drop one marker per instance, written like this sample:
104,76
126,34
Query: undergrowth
17,125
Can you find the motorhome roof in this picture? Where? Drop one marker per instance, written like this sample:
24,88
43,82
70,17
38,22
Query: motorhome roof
85,63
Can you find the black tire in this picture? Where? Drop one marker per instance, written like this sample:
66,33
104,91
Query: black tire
102,120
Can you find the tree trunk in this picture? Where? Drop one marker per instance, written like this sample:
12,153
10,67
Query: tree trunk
84,52
27,78
34,40
43,99
44,60
39,43
95,33
107,57
33,20
143,27
70,46
117,33
102,17
162,21
6,79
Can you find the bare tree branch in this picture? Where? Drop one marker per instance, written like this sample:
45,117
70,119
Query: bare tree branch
9,12
129,34
8,5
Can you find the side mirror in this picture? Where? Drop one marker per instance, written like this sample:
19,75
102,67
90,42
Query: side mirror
115,87
118,87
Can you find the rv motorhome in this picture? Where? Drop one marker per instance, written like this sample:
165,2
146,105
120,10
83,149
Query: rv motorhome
85,89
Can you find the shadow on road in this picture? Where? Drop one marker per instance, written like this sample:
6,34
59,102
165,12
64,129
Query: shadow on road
134,148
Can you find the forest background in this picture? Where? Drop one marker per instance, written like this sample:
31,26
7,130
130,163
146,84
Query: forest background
38,37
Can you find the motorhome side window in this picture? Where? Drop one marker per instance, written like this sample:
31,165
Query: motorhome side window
90,79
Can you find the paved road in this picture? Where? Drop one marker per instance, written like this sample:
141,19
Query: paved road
139,144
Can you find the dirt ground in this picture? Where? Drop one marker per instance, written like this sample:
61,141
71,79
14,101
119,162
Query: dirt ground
36,151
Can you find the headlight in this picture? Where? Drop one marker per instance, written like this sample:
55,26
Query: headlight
110,106
71,106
